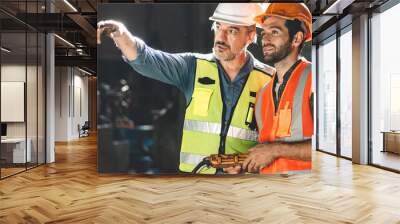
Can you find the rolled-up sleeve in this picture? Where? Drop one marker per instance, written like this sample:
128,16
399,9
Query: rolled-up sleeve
173,69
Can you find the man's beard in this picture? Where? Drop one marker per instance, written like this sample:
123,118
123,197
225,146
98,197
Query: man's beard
226,55
280,53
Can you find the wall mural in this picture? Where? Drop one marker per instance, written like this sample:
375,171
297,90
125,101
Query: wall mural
204,88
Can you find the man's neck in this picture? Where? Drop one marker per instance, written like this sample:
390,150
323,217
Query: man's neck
284,65
233,67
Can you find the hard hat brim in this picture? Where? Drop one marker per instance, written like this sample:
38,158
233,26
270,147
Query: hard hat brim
231,21
260,19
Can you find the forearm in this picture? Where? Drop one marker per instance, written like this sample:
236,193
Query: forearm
173,69
294,151
263,155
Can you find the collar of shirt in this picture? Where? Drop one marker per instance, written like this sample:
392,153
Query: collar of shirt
243,73
282,86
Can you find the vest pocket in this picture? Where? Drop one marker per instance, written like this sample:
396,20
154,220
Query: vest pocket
284,122
202,98
250,114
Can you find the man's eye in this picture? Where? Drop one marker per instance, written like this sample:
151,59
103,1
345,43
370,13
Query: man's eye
274,32
233,31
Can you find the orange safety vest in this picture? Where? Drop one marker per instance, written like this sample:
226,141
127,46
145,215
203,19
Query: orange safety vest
293,121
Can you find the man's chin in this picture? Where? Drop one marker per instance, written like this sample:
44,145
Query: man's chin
222,57
269,60
218,53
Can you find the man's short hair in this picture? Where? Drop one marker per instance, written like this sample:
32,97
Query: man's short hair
293,27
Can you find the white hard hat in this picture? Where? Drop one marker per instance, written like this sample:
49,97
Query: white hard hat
237,13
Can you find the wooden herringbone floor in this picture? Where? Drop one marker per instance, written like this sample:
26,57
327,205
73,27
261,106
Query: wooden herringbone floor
71,191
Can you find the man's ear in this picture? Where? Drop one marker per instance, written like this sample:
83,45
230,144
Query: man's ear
252,37
297,39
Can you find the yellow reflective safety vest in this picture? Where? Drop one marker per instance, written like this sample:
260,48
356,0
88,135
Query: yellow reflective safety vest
202,131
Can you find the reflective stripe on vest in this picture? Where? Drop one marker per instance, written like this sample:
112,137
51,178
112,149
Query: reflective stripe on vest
215,128
258,108
297,123
190,158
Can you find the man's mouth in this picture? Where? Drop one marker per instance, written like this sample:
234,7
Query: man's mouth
268,49
221,47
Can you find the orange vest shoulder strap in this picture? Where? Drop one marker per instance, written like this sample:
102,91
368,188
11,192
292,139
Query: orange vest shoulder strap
297,124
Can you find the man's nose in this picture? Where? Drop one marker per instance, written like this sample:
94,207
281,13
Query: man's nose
220,36
265,37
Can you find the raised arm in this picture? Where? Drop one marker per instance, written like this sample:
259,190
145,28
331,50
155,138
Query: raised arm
173,69
121,36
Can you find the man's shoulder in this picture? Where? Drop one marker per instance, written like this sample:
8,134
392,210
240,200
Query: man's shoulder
264,68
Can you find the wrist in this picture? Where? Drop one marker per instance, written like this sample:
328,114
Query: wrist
120,36
276,151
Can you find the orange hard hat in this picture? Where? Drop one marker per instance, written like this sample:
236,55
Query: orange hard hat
289,11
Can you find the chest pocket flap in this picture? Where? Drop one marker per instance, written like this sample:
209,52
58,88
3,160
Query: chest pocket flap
201,100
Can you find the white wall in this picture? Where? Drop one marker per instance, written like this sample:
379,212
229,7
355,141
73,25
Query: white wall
71,94
13,73
61,103
33,126
16,73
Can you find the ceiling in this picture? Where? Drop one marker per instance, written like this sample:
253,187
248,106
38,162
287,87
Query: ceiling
75,28
330,15
75,21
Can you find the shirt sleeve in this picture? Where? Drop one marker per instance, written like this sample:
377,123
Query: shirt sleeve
174,69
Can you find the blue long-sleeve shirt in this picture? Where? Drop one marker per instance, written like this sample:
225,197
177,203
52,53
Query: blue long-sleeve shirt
179,70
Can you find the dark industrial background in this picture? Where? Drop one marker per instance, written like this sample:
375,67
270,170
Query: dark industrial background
140,119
